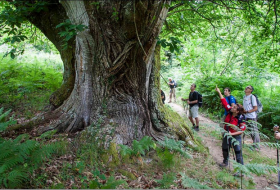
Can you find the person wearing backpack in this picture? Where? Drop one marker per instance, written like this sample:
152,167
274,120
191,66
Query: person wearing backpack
251,108
230,100
235,126
194,106
172,86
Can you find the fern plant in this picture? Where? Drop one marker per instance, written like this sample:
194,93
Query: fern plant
192,183
21,156
258,169
176,146
138,147
166,157
167,180
3,120
26,84
163,149
111,183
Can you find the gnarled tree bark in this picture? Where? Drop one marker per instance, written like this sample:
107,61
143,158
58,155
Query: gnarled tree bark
116,72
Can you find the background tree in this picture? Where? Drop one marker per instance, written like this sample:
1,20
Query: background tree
231,44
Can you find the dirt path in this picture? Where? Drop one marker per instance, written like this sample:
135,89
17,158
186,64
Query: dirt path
214,146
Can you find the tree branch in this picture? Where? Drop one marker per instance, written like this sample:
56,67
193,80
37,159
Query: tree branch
225,5
275,12
234,53
179,11
206,19
268,10
167,26
175,6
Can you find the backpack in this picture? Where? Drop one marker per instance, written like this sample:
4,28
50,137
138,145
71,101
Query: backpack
199,99
230,103
234,99
259,104
175,83
241,119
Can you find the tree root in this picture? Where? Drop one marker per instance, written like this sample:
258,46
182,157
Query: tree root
38,120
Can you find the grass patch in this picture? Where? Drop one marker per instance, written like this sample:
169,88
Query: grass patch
26,85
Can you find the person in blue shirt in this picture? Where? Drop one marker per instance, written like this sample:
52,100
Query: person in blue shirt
230,100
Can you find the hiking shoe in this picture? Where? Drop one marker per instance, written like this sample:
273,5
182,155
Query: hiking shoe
196,128
238,174
223,165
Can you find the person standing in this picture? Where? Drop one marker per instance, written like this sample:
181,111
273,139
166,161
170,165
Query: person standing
235,127
171,84
193,107
162,96
250,106
231,101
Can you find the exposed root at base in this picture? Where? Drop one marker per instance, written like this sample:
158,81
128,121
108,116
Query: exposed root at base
38,120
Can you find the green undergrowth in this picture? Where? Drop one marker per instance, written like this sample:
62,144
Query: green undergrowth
22,155
144,164
89,161
83,162
26,84
181,127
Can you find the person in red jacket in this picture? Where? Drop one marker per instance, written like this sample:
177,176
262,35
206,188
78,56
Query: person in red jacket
235,126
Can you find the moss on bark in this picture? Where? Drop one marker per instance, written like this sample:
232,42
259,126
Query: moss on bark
163,115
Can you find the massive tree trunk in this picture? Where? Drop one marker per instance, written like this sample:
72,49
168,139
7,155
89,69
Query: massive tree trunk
116,71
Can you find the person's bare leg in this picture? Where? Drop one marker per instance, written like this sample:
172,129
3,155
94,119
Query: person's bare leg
191,119
170,97
197,121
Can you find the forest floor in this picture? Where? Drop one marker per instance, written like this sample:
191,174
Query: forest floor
207,126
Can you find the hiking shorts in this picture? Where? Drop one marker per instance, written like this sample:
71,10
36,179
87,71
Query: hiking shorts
193,112
172,91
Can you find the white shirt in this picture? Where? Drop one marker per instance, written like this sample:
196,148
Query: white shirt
248,104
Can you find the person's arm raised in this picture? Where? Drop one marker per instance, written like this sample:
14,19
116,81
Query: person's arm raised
219,92
223,100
